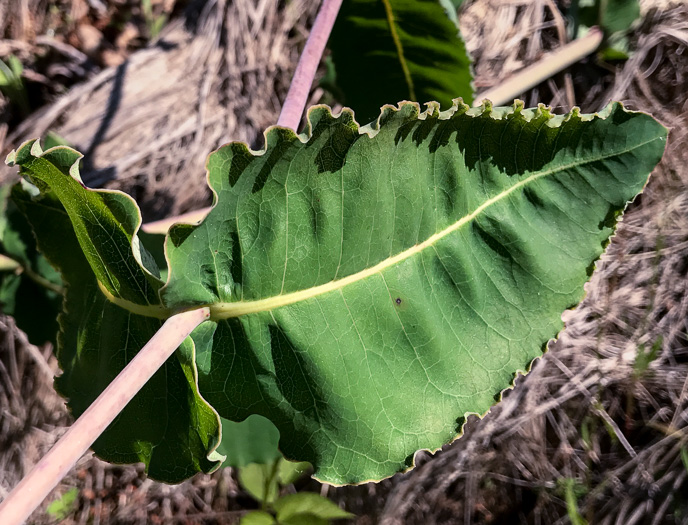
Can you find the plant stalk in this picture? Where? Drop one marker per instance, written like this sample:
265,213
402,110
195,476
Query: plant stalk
551,64
35,486
295,103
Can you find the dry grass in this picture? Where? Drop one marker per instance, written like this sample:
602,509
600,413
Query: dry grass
147,126
585,413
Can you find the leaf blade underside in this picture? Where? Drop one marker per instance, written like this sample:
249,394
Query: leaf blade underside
352,287
167,426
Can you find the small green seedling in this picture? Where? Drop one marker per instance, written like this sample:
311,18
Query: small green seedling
12,86
264,482
65,505
572,491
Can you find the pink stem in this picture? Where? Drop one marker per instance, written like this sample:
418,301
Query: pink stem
300,86
33,489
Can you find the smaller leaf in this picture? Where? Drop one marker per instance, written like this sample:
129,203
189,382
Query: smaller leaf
619,15
64,505
254,440
306,504
53,139
260,481
390,50
289,471
257,517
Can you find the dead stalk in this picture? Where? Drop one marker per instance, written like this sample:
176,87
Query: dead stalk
542,70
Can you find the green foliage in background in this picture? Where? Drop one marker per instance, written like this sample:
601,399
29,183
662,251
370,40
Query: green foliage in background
254,440
615,17
391,50
30,289
63,506
12,86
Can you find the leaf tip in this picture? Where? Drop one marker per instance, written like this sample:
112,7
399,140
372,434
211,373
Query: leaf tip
11,158
36,149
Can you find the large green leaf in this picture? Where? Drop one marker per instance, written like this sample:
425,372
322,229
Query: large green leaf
371,287
398,50
167,426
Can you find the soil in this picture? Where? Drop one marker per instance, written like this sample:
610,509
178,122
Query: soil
585,430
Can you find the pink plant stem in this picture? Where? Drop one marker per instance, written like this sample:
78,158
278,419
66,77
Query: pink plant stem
33,489
300,86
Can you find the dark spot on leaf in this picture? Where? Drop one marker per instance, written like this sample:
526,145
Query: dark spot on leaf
398,301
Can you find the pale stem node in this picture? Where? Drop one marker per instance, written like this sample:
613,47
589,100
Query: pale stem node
549,65
48,472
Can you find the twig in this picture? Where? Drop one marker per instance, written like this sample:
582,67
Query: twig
297,96
542,70
33,489
163,225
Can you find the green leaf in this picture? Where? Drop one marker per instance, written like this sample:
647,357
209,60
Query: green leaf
167,426
257,517
391,50
105,223
612,16
64,505
31,292
297,507
260,481
371,287
252,441
618,15
289,471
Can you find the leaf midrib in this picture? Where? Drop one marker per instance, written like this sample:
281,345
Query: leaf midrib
220,311
389,13
224,310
